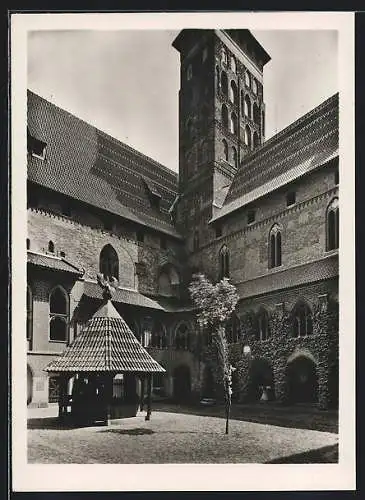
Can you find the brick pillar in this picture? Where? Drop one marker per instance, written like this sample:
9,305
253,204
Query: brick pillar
279,330
320,327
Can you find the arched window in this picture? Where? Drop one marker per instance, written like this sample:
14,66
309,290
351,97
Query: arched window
58,315
233,92
233,123
182,338
51,246
224,58
256,114
233,64
256,141
333,225
254,86
248,137
224,262
302,320
233,329
29,313
225,149
158,335
109,263
196,241
225,116
275,246
217,75
235,157
28,244
247,107
247,79
262,325
224,83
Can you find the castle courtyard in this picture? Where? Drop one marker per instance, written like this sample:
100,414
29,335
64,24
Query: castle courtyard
177,438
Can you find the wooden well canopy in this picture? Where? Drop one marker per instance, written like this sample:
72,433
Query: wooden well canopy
105,347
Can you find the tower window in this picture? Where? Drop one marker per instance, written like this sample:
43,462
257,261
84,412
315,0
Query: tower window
225,149
28,244
62,254
58,312
247,110
224,57
225,116
224,262
251,215
275,246
51,246
109,263
233,123
233,64
189,72
333,225
233,92
248,138
224,83
254,86
290,198
247,79
235,157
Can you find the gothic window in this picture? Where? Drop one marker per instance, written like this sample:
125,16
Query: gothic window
247,110
225,149
254,86
333,225
51,246
275,246
302,320
182,338
256,114
233,64
233,92
29,313
58,315
224,262
262,325
256,141
224,83
233,123
109,263
233,329
225,116
248,137
158,336
235,157
224,57
247,79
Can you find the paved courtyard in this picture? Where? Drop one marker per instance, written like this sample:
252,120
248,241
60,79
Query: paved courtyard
174,438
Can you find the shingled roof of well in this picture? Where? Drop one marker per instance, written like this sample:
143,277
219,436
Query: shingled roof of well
91,166
105,344
52,262
304,145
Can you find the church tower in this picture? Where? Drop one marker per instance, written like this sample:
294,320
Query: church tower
221,119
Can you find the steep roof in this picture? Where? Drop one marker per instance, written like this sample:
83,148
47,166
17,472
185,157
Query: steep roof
303,146
105,344
89,165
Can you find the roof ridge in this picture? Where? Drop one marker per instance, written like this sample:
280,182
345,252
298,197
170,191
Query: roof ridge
119,142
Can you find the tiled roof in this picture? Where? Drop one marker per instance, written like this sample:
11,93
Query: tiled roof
105,344
295,276
305,145
122,295
52,262
89,165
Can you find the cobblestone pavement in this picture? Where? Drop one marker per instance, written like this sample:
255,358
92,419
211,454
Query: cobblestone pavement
171,438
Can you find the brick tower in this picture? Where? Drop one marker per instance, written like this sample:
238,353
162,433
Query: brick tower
221,119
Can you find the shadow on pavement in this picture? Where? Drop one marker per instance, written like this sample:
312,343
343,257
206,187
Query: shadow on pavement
327,454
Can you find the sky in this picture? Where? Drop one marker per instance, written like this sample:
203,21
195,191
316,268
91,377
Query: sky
126,83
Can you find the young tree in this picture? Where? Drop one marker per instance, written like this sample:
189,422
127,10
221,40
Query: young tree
215,305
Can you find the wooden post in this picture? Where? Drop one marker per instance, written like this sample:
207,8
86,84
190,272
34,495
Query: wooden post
149,392
142,393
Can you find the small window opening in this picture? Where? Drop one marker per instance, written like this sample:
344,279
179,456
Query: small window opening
28,244
290,198
251,215
36,147
62,254
51,246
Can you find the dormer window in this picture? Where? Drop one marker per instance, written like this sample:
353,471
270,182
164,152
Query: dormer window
153,194
36,147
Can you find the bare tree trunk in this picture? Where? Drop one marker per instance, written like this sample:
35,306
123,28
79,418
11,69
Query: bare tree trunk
223,362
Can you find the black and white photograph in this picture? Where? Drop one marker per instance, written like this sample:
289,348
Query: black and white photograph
183,283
